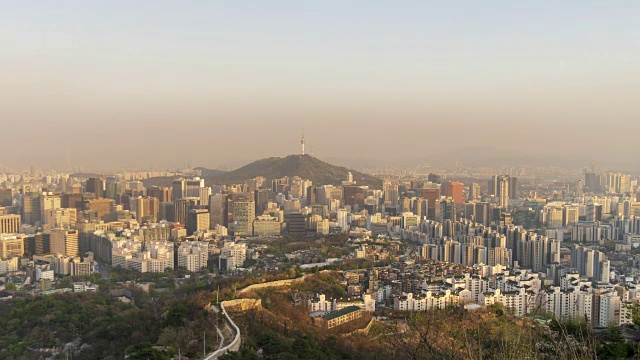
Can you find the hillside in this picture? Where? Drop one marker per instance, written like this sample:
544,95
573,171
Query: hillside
304,166
167,181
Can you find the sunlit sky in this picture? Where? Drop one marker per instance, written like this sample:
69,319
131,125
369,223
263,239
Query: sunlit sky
135,83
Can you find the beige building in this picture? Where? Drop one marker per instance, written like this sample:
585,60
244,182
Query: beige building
340,317
266,226
49,201
9,224
61,218
64,242
11,245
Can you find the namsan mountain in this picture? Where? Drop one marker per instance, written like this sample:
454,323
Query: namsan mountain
304,166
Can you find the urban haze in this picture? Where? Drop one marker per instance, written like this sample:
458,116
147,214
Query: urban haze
321,180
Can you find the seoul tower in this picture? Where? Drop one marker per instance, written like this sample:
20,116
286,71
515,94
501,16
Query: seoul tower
302,142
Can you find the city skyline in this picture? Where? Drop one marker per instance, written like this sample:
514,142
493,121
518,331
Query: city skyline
89,84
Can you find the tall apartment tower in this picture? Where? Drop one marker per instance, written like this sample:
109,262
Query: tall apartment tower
504,192
500,186
474,191
390,193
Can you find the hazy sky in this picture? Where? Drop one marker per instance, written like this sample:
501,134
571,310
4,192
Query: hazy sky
158,82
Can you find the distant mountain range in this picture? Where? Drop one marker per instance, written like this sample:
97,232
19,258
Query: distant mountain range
304,166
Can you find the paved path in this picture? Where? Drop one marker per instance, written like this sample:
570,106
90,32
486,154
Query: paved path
211,356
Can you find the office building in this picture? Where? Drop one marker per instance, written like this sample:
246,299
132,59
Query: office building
198,221
95,186
64,242
243,216
60,218
11,245
6,197
453,189
49,201
265,225
163,194
9,224
219,210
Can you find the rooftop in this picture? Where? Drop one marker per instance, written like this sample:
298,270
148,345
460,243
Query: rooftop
337,314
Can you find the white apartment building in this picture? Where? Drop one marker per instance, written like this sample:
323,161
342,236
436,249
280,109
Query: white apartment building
193,255
157,257
232,256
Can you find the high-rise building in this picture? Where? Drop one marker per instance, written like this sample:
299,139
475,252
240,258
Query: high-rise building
9,224
97,209
434,178
192,187
31,209
146,208
592,182
42,243
474,191
167,211
343,220
432,195
95,186
503,187
64,242
49,201
453,189
198,220
218,210
74,201
11,245
513,187
390,190
571,215
243,215
115,190
447,210
297,223
205,193
178,189
354,195
61,218
163,194
554,217
261,198
6,197
504,192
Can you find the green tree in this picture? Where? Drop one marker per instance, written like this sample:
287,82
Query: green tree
11,287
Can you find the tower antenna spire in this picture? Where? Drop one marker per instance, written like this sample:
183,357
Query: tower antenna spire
302,142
